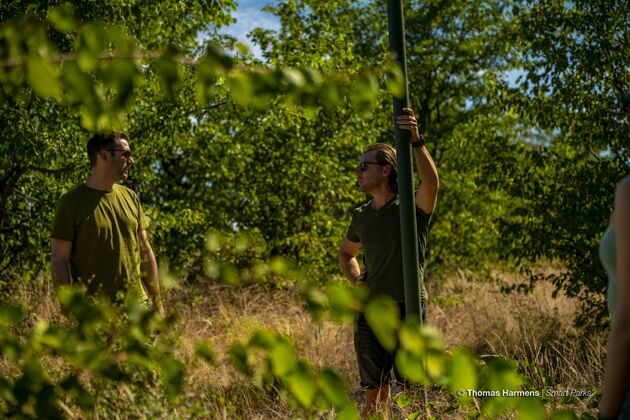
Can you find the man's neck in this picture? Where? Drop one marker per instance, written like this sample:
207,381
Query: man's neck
100,182
381,197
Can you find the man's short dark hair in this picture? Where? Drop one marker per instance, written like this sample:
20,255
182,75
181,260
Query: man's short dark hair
102,141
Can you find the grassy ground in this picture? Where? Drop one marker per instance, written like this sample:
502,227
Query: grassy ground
534,329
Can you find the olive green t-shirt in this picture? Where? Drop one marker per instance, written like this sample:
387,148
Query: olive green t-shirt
103,228
378,231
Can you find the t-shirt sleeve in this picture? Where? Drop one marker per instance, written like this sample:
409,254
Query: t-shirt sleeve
423,219
352,234
63,224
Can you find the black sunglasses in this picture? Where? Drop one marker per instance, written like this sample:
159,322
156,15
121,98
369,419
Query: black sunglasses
125,153
363,165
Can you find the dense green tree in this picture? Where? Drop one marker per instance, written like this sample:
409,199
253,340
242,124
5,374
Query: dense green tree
43,140
575,67
183,121
458,54
220,150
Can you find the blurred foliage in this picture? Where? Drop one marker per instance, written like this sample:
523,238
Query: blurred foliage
178,99
43,137
99,355
265,148
81,365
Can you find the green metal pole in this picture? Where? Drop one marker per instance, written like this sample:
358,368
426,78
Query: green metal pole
408,228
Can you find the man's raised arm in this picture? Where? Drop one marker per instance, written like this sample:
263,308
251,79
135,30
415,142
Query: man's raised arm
426,195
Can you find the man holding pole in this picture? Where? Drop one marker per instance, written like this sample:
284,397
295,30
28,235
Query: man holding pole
376,227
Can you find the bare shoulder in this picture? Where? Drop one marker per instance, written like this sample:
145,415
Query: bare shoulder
622,205
623,189
624,184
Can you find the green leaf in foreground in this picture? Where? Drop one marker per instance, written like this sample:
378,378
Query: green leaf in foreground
43,78
364,92
205,351
395,80
563,415
62,17
238,356
301,383
282,358
502,375
382,315
531,409
344,301
173,372
10,314
463,372
349,412
333,388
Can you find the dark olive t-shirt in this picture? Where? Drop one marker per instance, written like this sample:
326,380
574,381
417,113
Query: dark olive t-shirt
378,231
103,228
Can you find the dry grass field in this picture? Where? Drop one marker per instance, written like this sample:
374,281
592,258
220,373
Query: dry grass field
535,329
472,313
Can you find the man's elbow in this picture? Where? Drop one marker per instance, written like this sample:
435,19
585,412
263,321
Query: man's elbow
344,258
430,188
433,183
341,256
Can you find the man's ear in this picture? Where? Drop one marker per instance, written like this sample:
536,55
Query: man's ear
387,170
103,154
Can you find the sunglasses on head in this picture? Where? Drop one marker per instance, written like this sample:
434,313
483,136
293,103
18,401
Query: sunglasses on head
363,165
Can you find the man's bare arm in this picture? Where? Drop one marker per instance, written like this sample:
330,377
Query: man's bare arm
426,195
60,257
348,260
149,268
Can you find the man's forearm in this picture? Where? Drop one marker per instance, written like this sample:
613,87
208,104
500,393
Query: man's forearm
426,167
60,273
350,267
150,278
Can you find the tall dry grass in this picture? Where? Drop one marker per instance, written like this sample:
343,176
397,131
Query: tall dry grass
535,329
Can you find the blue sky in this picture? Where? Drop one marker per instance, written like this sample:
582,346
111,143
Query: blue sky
249,16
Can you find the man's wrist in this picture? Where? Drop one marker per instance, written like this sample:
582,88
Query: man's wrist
420,142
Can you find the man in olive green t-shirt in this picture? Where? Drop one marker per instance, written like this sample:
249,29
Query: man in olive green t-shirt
375,227
99,234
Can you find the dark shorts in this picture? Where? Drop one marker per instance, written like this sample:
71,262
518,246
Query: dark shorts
375,363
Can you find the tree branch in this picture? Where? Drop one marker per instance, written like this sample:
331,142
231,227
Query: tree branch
48,170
